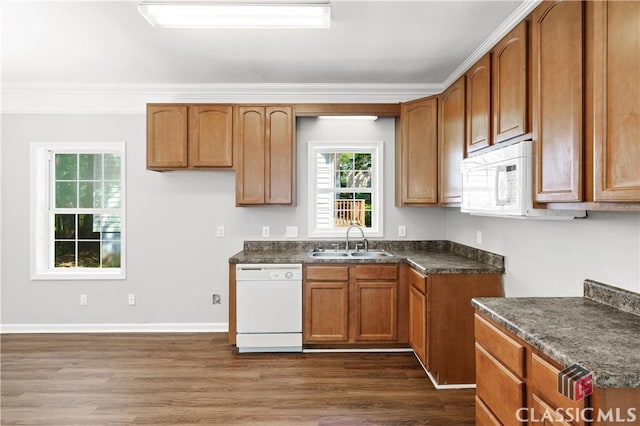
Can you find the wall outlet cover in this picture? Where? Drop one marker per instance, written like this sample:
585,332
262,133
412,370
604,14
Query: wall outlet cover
266,232
292,231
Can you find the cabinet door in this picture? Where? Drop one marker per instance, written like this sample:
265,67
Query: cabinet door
557,101
509,88
251,153
479,104
167,130
417,325
376,316
211,135
451,138
280,159
616,100
418,153
326,312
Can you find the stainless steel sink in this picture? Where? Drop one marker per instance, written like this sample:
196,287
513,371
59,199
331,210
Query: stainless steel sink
329,254
343,254
370,254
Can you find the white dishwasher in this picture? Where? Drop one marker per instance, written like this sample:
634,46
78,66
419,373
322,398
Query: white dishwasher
269,307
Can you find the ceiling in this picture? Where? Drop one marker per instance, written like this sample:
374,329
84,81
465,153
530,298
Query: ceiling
369,42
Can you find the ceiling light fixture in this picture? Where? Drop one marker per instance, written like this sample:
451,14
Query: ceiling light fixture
349,117
235,15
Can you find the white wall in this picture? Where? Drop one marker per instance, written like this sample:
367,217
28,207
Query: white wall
552,258
174,260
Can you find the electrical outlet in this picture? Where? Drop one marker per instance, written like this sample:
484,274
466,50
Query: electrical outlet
479,237
131,300
220,232
402,231
292,231
266,231
216,299
84,301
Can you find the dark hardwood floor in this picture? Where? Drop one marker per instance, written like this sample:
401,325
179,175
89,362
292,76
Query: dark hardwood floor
103,379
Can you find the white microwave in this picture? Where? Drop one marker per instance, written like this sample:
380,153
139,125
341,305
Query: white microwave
499,183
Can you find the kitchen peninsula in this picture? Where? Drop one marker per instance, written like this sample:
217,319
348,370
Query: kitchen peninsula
525,343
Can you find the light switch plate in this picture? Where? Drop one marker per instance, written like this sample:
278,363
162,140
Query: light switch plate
292,231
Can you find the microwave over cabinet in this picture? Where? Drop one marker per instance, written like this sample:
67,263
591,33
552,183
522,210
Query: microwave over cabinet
498,183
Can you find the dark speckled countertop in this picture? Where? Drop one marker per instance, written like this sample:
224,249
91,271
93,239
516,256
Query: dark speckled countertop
431,257
600,331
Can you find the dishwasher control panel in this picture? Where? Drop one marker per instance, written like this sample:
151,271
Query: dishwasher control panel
269,272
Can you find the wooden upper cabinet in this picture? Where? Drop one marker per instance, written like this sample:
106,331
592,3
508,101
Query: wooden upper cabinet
614,32
167,140
451,142
264,155
417,153
181,136
509,85
557,47
280,160
478,104
211,135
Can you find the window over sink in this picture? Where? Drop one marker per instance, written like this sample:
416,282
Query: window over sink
345,187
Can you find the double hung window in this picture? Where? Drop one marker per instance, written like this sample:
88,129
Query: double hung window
77,211
345,187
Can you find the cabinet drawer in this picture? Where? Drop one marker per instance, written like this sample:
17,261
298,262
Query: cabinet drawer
543,414
505,349
484,416
417,280
376,272
544,379
327,273
499,388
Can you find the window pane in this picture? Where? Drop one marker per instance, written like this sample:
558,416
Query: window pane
65,254
90,195
65,226
65,195
66,166
362,161
108,223
89,254
111,254
348,210
112,195
112,167
90,166
87,229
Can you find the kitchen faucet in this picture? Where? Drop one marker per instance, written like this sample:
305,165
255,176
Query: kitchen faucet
364,240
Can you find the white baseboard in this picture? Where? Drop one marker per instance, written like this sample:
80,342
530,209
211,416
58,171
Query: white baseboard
179,327
439,386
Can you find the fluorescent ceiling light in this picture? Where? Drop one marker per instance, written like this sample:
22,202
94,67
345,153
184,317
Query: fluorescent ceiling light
236,15
348,117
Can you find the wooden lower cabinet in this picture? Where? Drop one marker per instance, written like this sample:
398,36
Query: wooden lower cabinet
352,304
441,322
514,382
418,315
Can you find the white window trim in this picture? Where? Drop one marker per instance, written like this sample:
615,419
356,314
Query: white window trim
377,149
40,268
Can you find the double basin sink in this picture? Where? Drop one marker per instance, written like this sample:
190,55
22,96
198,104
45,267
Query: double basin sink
349,254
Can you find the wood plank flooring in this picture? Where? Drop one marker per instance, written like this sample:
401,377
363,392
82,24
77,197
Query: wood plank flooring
185,378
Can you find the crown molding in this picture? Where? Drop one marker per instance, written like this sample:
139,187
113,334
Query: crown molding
514,19
54,98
